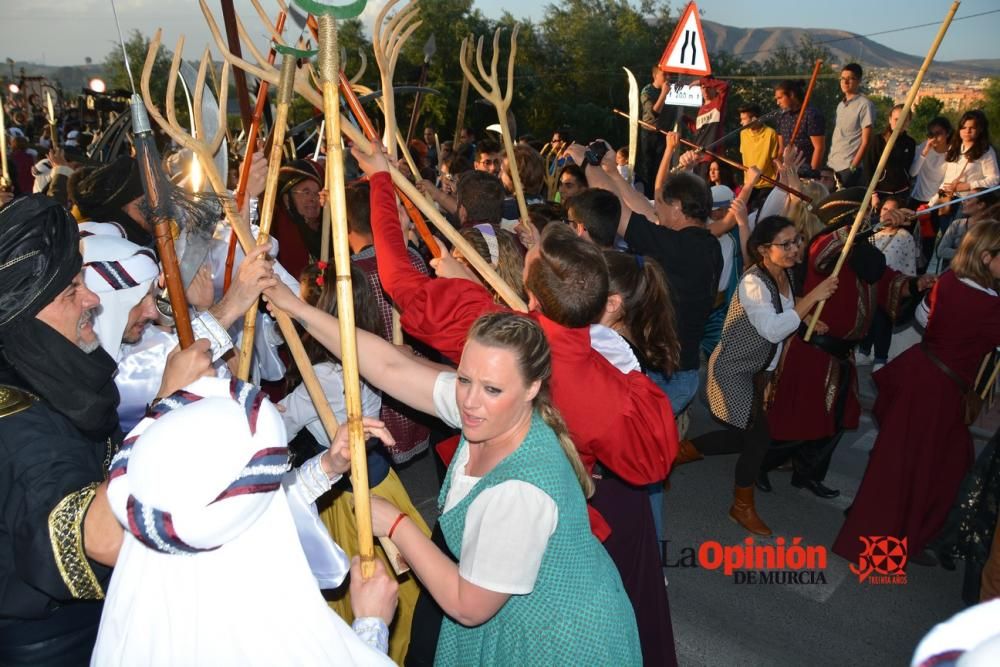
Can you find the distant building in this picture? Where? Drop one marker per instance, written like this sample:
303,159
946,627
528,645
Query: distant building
954,100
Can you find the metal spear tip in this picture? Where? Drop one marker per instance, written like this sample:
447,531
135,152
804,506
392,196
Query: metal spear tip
430,48
328,8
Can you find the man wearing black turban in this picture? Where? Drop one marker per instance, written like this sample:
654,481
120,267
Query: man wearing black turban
58,432
113,193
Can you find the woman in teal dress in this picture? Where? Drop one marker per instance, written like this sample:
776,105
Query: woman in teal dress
532,584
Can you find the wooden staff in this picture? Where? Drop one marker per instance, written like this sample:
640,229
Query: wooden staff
805,101
463,100
430,211
52,120
732,163
241,187
289,57
242,93
205,148
500,100
329,73
863,209
429,48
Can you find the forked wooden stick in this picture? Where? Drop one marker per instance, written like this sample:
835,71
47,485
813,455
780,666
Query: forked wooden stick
304,88
805,101
499,99
204,150
904,114
388,39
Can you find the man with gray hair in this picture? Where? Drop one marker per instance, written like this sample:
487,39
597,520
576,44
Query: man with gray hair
58,431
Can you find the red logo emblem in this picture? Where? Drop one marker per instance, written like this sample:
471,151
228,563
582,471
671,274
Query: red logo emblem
882,555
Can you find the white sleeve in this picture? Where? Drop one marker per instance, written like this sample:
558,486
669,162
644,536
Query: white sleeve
507,529
756,300
298,411
445,403
922,313
988,165
610,345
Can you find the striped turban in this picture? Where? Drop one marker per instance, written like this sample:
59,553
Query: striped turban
214,566
120,273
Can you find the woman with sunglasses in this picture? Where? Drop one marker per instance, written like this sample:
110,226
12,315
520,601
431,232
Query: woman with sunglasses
762,315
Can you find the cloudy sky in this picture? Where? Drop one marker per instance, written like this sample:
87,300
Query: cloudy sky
65,32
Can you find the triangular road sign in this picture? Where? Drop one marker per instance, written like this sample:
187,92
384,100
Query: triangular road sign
686,52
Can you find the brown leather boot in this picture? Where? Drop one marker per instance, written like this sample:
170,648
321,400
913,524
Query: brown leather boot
744,513
687,453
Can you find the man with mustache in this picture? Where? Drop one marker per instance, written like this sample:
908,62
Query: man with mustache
58,431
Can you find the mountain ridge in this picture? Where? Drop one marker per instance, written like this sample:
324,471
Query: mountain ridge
757,44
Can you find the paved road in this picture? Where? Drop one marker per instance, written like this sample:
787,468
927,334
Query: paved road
721,623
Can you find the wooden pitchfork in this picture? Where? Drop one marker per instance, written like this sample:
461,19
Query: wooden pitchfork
204,149
304,88
388,40
500,100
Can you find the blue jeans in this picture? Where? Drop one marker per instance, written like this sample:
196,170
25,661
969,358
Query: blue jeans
680,388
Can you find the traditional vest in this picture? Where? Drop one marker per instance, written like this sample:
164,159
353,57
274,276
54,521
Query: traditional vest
741,353
578,612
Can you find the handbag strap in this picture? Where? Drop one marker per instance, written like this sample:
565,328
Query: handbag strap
962,384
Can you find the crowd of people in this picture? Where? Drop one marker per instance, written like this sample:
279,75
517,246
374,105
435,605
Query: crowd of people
155,505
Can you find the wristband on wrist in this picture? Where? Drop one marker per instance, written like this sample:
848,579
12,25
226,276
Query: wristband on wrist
402,515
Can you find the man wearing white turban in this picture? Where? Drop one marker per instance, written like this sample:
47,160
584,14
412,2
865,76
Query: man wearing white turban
213,569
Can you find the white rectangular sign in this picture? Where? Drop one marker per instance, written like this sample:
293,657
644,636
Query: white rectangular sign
684,96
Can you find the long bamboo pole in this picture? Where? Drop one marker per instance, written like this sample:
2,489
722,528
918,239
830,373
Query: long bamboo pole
267,206
805,101
863,210
329,69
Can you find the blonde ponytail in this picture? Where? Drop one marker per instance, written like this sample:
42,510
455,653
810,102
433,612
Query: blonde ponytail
551,416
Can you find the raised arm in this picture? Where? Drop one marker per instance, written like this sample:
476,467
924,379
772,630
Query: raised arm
438,312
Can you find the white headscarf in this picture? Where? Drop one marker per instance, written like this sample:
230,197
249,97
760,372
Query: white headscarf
211,571
120,273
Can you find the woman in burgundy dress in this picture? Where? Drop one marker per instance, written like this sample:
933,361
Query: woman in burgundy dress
924,448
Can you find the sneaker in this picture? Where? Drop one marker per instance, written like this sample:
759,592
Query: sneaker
862,359
877,366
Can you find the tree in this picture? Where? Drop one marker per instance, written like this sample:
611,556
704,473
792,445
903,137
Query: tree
924,112
137,46
991,106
